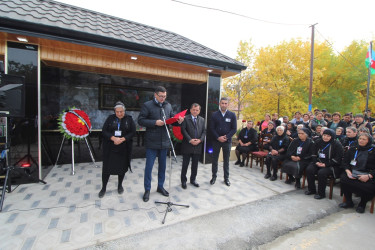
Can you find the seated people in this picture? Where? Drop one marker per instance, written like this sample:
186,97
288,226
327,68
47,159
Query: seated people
327,117
336,121
277,152
298,156
317,134
306,120
263,124
297,118
247,142
351,138
326,160
358,178
364,130
275,119
268,133
291,130
359,122
340,134
318,120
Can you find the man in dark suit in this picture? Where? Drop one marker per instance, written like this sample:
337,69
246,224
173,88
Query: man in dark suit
223,126
194,132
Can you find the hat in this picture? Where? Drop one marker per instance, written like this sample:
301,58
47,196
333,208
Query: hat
306,131
329,132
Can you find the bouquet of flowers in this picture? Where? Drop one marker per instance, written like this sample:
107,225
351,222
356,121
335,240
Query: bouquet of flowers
74,124
176,134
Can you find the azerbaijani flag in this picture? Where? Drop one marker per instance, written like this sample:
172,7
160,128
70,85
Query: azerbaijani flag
370,62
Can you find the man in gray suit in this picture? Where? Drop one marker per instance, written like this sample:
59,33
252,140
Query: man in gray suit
194,132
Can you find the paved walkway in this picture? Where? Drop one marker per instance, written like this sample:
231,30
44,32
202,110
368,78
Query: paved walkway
67,213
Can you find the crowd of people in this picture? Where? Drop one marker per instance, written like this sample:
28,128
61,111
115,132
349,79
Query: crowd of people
318,145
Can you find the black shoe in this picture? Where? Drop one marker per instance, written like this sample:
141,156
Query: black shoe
242,164
146,196
347,204
308,192
101,193
267,176
273,178
319,197
298,184
237,162
194,183
183,185
162,191
289,181
213,180
360,210
120,190
227,182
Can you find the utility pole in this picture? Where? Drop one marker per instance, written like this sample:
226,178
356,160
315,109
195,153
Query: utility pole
311,65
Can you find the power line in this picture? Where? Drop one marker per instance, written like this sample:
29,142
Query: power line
346,59
236,14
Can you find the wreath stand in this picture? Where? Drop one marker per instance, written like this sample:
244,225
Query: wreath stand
88,146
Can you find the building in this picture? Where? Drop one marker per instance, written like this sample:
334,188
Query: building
76,57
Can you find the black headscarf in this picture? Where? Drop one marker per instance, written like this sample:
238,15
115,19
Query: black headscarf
306,131
330,132
369,143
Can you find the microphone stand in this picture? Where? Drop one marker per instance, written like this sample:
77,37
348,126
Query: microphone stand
169,203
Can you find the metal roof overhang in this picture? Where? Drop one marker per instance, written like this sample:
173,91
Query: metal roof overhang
59,34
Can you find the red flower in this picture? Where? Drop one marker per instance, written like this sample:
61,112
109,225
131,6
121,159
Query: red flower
177,133
243,120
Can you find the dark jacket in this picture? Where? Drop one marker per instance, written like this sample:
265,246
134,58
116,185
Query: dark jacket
226,125
348,142
340,124
365,159
279,143
252,136
306,152
127,126
333,153
156,137
188,131
363,124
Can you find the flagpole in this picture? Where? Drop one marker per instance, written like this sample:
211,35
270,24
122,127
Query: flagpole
369,77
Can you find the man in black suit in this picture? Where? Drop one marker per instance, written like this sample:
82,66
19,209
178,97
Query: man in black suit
194,132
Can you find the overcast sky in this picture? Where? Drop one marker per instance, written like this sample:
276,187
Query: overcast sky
340,22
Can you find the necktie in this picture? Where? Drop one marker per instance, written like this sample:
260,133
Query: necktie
195,127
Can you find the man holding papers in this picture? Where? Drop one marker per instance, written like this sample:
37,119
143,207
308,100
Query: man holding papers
156,138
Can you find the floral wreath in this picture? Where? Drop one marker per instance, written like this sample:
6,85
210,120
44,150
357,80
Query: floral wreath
176,134
74,124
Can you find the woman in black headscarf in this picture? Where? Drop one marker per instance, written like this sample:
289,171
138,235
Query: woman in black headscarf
326,160
359,165
298,157
277,152
118,131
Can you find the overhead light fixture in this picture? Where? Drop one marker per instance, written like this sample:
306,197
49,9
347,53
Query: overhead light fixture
209,70
133,57
22,39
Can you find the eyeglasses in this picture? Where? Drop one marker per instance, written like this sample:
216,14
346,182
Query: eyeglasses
162,96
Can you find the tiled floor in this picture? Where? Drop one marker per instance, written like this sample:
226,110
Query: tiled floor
66,213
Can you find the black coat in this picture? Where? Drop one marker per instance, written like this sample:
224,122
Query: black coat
188,131
333,153
365,159
252,136
340,124
306,152
116,158
279,143
156,137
